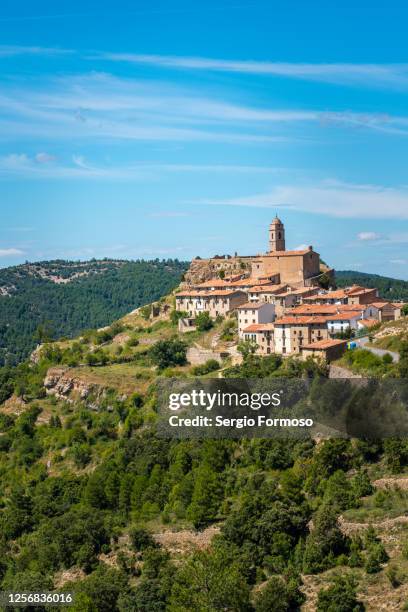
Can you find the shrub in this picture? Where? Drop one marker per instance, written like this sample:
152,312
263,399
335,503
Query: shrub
395,575
341,596
176,315
141,539
146,311
209,366
203,322
166,353
376,556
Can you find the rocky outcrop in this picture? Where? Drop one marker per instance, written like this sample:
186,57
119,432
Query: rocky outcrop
60,383
201,270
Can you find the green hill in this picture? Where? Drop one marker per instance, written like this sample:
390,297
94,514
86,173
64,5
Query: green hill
389,288
65,297
93,501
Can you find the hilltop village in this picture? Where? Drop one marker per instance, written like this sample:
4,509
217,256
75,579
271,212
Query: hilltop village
286,302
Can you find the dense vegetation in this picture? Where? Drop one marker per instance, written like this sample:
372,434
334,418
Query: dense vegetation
88,489
389,288
86,484
34,306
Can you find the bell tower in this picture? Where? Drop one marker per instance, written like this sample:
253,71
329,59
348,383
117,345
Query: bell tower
276,235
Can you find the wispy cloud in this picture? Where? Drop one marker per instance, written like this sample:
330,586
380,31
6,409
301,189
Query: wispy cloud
329,197
100,106
368,236
46,166
11,252
374,75
13,50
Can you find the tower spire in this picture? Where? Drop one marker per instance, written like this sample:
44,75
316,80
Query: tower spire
276,235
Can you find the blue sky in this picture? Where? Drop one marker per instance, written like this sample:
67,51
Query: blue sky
175,129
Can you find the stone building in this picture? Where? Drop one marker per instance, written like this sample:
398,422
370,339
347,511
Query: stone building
216,302
263,335
292,333
299,268
253,313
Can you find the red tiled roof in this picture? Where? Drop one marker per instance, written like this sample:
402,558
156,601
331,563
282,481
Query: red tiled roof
357,290
314,308
251,305
381,304
288,320
324,344
215,292
344,316
259,327
268,288
369,322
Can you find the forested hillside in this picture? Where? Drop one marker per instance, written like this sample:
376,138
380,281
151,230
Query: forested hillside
93,501
60,298
390,288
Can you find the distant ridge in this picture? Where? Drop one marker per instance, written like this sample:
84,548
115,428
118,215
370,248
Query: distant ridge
390,288
68,297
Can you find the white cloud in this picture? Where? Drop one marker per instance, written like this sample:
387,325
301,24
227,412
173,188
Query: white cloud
44,158
20,164
398,262
329,197
367,236
10,252
375,75
13,50
301,247
102,106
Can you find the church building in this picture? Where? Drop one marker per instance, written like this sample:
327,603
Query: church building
294,267
299,268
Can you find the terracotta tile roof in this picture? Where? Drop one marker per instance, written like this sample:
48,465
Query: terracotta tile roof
324,344
369,322
206,294
355,307
303,290
213,282
358,290
250,282
259,327
314,309
268,288
344,316
327,309
288,320
251,305
381,304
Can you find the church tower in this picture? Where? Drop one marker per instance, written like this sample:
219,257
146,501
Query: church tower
276,235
